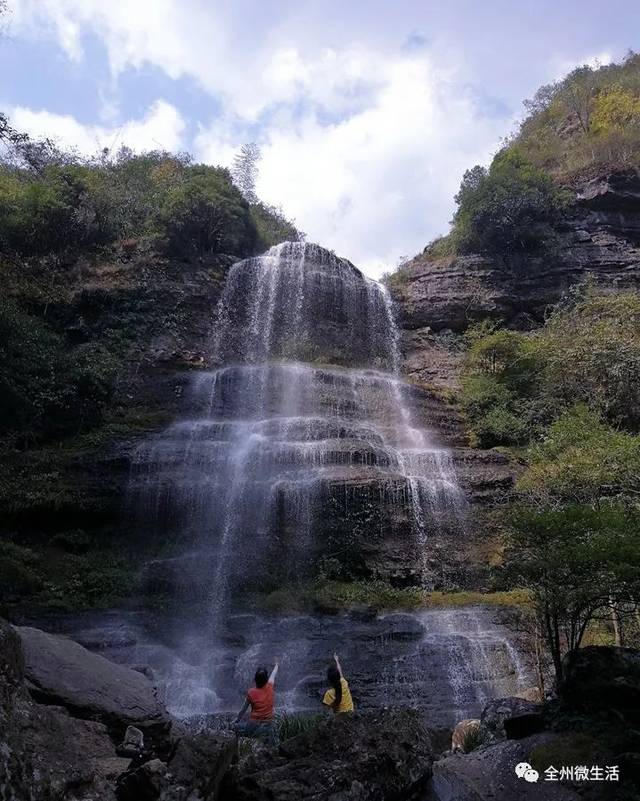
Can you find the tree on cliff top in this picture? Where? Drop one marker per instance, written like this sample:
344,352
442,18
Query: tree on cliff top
507,208
245,171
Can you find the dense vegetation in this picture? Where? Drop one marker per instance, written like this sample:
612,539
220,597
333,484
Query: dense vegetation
566,398
585,123
57,208
101,261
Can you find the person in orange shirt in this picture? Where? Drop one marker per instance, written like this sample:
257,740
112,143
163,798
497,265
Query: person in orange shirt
338,696
260,699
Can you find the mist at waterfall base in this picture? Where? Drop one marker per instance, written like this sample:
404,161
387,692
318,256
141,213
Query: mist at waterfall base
297,452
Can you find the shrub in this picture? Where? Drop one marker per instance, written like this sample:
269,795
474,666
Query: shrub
506,208
47,388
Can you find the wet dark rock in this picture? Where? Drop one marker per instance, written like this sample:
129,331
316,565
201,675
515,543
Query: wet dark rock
511,718
143,783
133,744
45,754
488,774
60,671
603,677
195,770
378,755
200,761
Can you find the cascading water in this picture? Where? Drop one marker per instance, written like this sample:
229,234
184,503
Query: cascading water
297,451
306,414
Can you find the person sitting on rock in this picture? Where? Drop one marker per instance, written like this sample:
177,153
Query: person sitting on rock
261,700
338,696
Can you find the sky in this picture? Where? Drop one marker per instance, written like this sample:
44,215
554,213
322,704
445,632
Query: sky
367,112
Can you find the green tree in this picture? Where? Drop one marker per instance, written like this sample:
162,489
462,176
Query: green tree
576,562
582,460
508,207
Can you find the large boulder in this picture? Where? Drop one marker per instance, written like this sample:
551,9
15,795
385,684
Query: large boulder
602,677
60,671
365,756
488,774
510,718
195,770
45,754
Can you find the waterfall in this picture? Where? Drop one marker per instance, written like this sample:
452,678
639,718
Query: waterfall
305,414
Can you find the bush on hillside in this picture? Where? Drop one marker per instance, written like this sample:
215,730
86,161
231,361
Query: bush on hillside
509,207
46,387
590,117
62,205
515,384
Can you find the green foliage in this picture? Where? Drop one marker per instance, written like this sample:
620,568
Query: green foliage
19,577
514,384
576,561
62,578
272,226
589,118
509,207
499,386
582,460
378,594
54,203
201,212
473,738
47,388
591,352
288,726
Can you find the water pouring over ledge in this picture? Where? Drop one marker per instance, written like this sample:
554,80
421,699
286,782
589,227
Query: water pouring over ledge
302,435
298,452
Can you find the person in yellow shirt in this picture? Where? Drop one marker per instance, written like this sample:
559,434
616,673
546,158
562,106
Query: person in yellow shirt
338,696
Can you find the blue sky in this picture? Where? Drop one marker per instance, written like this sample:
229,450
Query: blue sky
367,111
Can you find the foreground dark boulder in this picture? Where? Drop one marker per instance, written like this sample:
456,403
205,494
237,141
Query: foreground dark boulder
488,774
60,671
382,755
45,754
602,678
195,770
511,718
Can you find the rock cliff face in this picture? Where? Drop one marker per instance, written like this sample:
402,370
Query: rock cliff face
598,239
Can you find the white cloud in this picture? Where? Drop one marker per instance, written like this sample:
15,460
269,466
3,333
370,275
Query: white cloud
378,184
161,128
364,145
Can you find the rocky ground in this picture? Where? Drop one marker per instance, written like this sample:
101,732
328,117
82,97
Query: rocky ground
77,727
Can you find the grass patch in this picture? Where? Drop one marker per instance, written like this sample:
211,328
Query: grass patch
291,725
342,595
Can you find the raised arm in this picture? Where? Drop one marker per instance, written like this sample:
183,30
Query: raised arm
274,673
335,656
243,710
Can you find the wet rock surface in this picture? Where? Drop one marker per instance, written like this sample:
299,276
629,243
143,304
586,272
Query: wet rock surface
447,663
382,755
488,774
195,770
45,753
60,671
511,718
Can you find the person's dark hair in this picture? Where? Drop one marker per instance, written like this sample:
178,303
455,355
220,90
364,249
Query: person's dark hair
262,677
333,677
